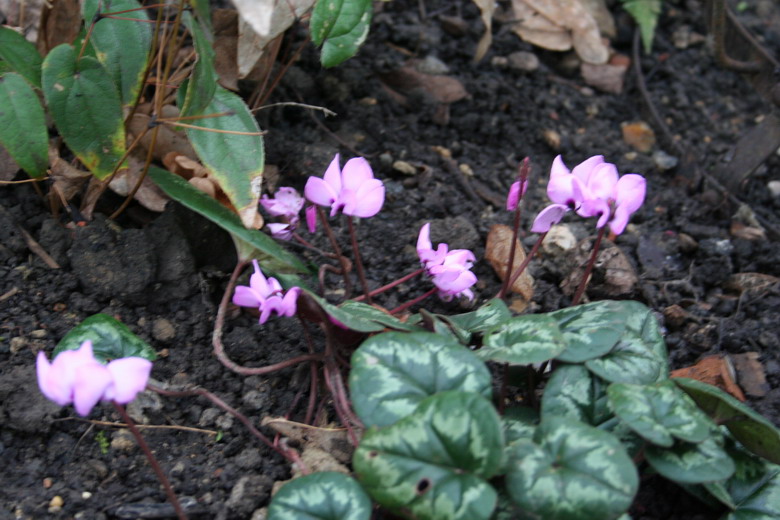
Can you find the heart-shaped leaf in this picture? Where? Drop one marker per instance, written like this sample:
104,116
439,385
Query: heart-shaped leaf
573,391
756,496
571,471
370,313
519,422
659,412
235,161
639,356
591,330
393,372
122,44
493,313
20,55
360,321
433,464
111,339
340,26
523,340
188,195
23,125
692,463
322,496
755,432
85,104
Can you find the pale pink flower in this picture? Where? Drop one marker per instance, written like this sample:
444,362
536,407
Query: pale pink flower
353,189
449,270
267,295
75,376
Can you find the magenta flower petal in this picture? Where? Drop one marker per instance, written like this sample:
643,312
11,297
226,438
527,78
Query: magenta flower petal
630,192
56,387
369,199
513,198
320,192
424,239
355,173
280,230
333,175
619,220
602,182
585,169
549,216
130,376
286,203
246,297
558,168
311,219
91,383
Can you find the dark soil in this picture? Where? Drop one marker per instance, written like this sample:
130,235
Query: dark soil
163,277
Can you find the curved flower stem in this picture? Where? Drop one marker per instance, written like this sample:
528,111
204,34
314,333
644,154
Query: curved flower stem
525,263
219,348
313,368
358,262
589,268
391,284
345,267
308,245
226,407
408,304
511,260
152,460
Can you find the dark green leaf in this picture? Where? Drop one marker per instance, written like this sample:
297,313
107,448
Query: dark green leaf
372,313
121,45
236,162
84,103
321,496
393,372
23,125
591,330
639,356
202,85
203,12
191,197
519,423
571,472
486,317
755,432
659,412
441,324
340,26
358,322
523,340
574,392
757,496
20,55
432,465
691,463
111,339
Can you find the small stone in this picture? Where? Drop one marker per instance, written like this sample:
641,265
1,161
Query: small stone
774,188
687,243
17,344
442,151
55,504
465,169
523,61
86,495
404,167
39,333
122,440
606,78
224,422
249,492
163,330
431,65
500,62
386,159
638,135
559,240
208,417
552,138
663,161
47,483
368,101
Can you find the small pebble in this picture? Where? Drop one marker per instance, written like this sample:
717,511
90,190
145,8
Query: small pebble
431,65
404,167
465,169
500,62
664,161
774,188
523,61
86,495
122,440
163,330
47,482
638,135
55,504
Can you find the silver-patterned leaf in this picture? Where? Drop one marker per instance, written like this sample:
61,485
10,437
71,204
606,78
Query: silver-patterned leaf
690,463
591,330
573,391
321,496
523,340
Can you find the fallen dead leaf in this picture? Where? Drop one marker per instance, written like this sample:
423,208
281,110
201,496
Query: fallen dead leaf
497,249
750,283
149,195
533,27
168,139
713,370
27,12
225,23
8,167
333,440
60,22
750,373
486,9
442,89
605,77
638,135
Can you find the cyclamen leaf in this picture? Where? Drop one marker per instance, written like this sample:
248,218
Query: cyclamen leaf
571,471
23,125
322,496
203,83
486,317
591,330
659,412
433,464
111,339
639,356
572,391
20,55
340,26
523,340
180,190
690,463
236,162
376,315
121,45
85,105
755,432
756,497
393,372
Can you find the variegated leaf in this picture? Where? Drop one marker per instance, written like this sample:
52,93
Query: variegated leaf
523,340
393,372
323,496
691,463
573,391
591,330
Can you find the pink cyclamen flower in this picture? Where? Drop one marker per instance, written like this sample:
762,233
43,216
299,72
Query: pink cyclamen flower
592,189
449,270
287,205
75,376
311,218
515,193
267,295
353,189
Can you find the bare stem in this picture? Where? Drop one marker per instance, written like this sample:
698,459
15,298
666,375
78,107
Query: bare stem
415,301
511,260
152,461
392,284
358,262
525,263
336,249
589,268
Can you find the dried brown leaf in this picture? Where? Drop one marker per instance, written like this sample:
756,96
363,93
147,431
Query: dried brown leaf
8,167
168,139
226,46
333,440
499,243
713,370
60,22
486,9
442,89
149,195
